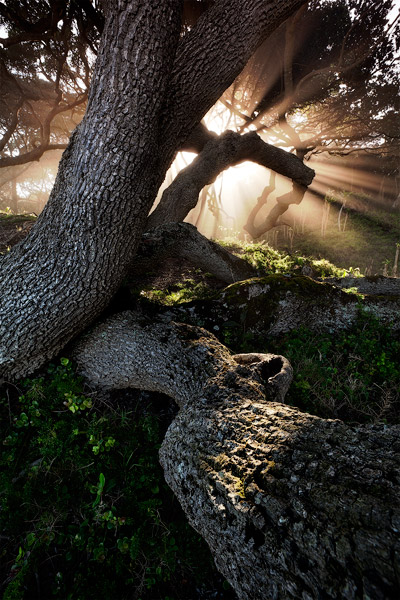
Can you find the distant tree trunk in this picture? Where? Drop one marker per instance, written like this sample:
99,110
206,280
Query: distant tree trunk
148,93
14,197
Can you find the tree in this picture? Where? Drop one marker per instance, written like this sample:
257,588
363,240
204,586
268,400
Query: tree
333,89
45,70
148,93
151,87
291,505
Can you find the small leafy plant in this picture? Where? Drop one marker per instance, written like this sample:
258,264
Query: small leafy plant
84,511
353,375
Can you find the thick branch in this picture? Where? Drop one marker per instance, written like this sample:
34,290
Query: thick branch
291,505
183,241
179,360
219,154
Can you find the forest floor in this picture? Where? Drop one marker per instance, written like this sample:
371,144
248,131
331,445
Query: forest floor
358,237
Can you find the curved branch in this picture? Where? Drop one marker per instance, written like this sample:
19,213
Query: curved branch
286,501
176,359
281,206
219,154
12,125
261,202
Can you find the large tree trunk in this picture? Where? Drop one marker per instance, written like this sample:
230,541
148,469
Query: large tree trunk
66,271
291,505
148,93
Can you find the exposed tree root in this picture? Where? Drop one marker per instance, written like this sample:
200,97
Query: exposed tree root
274,305
183,241
291,505
373,286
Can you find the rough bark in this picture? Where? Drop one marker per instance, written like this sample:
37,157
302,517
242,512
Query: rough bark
148,94
198,139
276,304
225,151
291,505
75,257
373,285
130,350
183,241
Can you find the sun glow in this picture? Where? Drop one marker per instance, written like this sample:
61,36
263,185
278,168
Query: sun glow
224,206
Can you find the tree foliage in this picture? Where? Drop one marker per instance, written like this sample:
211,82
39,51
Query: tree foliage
326,80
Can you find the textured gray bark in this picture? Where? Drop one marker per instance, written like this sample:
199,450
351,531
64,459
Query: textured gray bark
183,241
218,154
148,93
276,304
374,285
65,272
292,506
129,350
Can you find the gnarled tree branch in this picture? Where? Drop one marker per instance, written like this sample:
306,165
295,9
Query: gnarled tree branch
219,154
287,502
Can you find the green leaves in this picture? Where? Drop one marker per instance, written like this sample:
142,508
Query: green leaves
87,487
99,490
353,375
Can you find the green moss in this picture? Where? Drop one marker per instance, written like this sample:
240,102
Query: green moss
268,260
9,218
179,293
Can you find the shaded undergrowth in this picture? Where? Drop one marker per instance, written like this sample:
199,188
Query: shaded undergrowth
85,512
353,375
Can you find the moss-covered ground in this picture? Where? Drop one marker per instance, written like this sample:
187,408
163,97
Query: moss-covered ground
362,238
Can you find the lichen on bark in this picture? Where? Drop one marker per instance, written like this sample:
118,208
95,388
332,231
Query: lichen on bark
291,505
